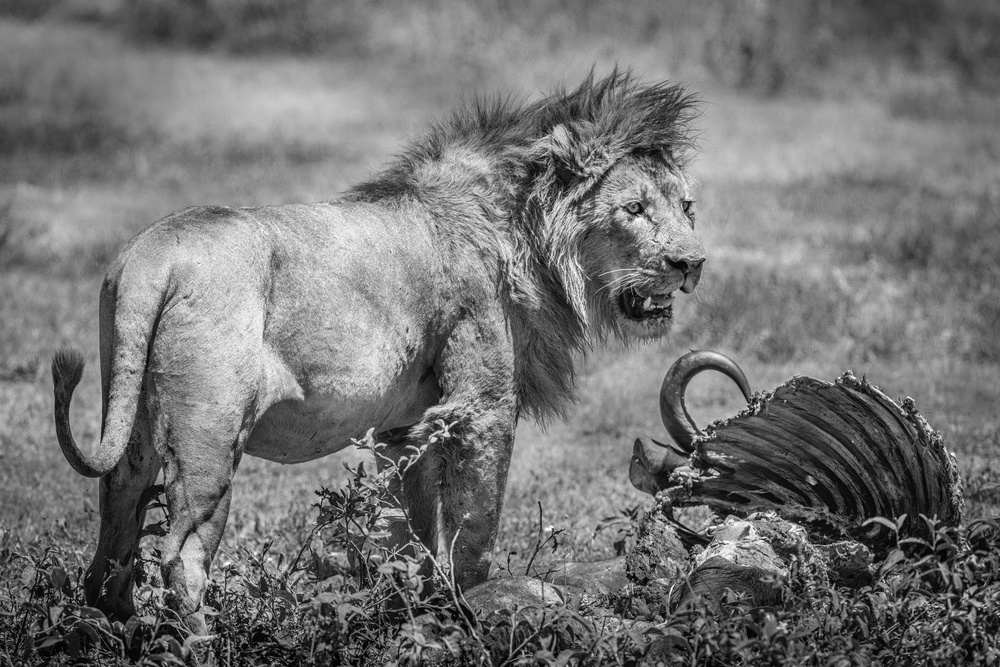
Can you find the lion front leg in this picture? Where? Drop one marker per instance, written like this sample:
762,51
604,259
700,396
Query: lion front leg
453,493
457,491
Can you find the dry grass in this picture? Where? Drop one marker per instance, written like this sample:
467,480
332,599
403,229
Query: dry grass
858,232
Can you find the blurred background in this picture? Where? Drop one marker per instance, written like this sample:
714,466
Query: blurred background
849,200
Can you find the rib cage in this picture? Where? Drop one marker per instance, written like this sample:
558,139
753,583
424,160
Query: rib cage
829,456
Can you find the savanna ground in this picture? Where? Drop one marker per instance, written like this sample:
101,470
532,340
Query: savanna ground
849,201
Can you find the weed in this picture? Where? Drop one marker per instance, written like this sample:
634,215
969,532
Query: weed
935,600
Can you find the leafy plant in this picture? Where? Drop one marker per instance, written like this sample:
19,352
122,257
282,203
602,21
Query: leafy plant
343,597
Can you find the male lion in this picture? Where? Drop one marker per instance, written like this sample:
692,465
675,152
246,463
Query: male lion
454,286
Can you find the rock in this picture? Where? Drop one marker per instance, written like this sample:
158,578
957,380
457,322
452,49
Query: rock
512,593
711,579
606,577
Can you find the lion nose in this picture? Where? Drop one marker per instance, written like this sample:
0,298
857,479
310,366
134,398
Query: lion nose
690,268
685,265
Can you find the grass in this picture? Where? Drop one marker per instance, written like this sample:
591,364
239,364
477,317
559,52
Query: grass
933,602
853,230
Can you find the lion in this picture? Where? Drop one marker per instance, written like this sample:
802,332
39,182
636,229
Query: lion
456,286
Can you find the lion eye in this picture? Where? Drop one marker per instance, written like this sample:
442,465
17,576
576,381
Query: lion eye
688,205
634,207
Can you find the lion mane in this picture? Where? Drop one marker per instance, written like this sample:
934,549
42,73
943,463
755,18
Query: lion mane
455,286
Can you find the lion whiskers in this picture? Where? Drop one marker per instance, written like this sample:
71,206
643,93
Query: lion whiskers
623,282
610,271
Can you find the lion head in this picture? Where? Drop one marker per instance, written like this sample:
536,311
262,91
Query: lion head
618,206
640,247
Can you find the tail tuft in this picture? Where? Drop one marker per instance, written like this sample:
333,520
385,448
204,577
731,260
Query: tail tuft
67,369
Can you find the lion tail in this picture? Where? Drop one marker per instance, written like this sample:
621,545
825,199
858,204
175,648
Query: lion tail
67,369
123,369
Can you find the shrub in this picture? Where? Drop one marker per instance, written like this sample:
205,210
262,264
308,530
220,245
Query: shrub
964,34
253,26
933,601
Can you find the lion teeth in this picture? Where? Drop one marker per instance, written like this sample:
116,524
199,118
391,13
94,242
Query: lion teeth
663,300
648,303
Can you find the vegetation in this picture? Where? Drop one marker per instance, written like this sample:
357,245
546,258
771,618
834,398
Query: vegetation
934,601
848,203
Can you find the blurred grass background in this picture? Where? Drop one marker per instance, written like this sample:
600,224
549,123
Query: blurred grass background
849,202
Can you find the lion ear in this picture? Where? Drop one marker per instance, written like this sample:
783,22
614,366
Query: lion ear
576,157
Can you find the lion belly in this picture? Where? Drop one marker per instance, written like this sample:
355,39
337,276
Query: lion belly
317,395
297,430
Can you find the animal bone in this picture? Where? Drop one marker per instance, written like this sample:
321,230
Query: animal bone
826,455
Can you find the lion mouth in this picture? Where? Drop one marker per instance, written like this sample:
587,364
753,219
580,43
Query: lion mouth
645,307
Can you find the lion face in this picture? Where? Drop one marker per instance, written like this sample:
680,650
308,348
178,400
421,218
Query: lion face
642,248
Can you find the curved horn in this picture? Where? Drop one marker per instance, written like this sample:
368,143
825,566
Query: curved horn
673,412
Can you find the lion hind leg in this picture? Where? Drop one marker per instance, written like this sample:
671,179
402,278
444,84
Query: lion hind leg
191,546
201,447
109,580
198,502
